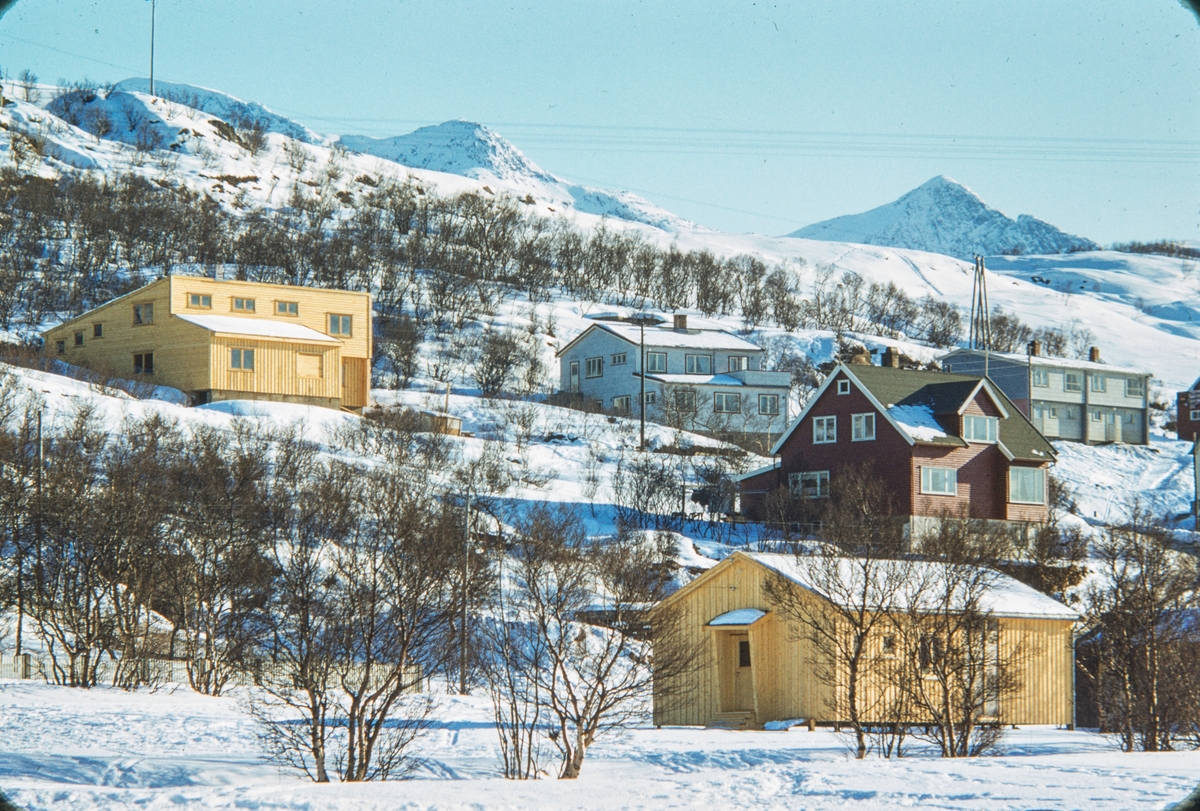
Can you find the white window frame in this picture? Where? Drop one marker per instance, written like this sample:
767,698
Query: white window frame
651,398
739,363
653,362
862,427
949,480
685,401
618,359
771,411
824,430
1194,415
843,387
1099,382
991,431
1041,378
1135,387
1037,473
721,402
690,362
593,363
1068,385
809,484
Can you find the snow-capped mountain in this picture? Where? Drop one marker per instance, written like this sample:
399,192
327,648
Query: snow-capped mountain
944,216
475,151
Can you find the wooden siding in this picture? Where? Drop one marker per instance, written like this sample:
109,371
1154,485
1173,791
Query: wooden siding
790,683
356,389
276,368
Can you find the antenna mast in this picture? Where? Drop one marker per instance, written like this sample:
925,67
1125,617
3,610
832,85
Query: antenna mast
981,328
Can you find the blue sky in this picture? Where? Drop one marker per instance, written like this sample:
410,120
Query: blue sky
743,116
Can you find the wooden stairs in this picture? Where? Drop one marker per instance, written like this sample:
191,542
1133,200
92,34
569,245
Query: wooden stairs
737,720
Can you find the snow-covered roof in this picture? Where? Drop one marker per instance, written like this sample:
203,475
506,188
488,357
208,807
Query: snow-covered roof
1006,597
671,339
1051,362
695,380
742,616
917,421
259,328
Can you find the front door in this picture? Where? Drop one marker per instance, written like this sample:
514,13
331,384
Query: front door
743,675
574,383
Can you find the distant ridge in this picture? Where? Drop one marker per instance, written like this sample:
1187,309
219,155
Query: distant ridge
944,216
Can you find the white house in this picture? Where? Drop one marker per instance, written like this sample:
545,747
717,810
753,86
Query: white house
698,379
1080,400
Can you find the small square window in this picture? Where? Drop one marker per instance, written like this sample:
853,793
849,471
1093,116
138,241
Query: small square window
619,359
245,305
685,400
143,364
739,363
726,402
843,387
97,330
594,367
1193,415
143,314
339,325
1041,377
768,404
1135,387
651,397
241,359
656,361
200,300
888,645
1072,381
1099,382
79,339
697,364
287,308
620,405
981,429
812,484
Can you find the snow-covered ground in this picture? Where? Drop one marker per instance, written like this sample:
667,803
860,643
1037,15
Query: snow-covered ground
174,749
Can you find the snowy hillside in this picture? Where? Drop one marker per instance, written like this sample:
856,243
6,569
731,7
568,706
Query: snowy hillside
944,216
475,151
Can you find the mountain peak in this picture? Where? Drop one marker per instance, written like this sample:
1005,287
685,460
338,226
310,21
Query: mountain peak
945,216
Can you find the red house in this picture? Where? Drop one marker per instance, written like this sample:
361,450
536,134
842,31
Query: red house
1187,412
947,444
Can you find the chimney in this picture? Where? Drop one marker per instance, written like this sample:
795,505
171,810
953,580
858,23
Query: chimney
1035,348
1094,354
891,358
680,323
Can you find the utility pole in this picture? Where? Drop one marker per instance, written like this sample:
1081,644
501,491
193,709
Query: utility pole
152,4
642,369
466,573
981,328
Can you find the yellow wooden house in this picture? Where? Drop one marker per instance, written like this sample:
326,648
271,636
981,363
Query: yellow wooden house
228,340
756,666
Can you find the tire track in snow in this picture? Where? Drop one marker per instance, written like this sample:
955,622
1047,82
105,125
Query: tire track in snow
920,274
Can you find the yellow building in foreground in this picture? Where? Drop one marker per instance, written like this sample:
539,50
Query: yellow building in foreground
229,340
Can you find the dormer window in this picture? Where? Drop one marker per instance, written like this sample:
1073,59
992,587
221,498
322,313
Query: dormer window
980,429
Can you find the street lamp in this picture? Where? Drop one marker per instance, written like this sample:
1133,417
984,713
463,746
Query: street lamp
642,319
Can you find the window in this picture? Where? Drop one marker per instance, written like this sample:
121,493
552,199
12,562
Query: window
843,387
618,359
60,347
739,363
1053,412
287,308
244,304
685,400
143,314
1026,485
726,402
941,481
1193,415
862,427
1041,377
595,367
980,429
930,651
651,398
768,404
888,645
1135,387
310,364
621,404
339,325
200,300
79,339
656,361
824,430
97,330
1095,415
574,381
143,364
1099,382
698,364
1072,381
814,484
241,359
743,653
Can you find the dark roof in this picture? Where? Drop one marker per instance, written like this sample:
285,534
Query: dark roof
946,393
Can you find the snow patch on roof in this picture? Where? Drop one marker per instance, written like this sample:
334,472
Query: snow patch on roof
259,328
742,616
695,380
917,421
670,339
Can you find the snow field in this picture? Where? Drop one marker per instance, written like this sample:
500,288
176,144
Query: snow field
174,749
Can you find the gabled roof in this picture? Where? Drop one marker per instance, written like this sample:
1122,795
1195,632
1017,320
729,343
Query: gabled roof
902,396
258,328
667,338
